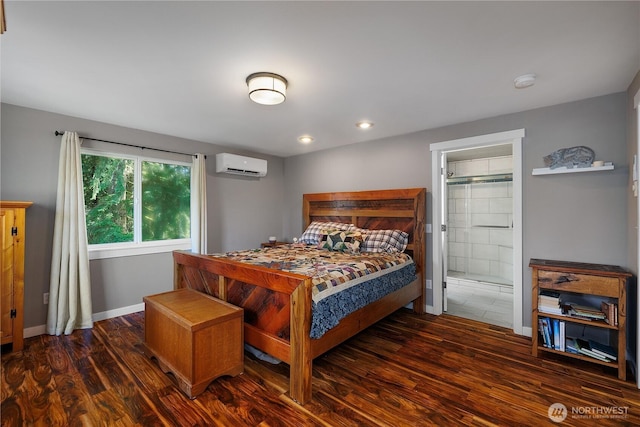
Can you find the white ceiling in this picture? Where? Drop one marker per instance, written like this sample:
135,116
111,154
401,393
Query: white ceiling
179,68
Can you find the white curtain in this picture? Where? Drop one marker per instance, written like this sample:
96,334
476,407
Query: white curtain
199,204
70,285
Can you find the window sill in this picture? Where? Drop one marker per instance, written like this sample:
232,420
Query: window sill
126,250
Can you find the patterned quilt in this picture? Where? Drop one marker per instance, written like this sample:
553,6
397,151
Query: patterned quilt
343,283
331,271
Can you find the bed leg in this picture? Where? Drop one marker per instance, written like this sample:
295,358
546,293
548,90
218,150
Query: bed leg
300,373
222,288
300,381
418,305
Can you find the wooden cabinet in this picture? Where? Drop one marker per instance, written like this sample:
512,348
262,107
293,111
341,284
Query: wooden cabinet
579,280
197,337
12,219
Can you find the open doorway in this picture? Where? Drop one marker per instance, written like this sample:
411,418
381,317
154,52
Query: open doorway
477,199
479,230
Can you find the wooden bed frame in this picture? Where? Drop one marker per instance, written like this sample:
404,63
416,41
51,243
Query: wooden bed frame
277,304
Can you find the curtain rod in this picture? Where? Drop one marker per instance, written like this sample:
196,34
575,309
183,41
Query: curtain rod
58,133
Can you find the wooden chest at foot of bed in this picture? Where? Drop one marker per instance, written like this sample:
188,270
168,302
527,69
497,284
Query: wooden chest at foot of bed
195,336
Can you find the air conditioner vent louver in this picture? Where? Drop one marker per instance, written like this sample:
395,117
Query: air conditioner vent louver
240,165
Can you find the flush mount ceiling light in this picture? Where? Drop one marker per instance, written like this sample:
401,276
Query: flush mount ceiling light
267,88
305,139
524,81
365,124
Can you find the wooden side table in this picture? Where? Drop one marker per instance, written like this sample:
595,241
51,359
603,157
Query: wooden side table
272,244
197,337
573,279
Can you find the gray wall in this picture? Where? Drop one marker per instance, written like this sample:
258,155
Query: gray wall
573,217
242,212
580,217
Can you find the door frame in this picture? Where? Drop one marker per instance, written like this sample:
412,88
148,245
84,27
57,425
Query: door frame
513,137
635,172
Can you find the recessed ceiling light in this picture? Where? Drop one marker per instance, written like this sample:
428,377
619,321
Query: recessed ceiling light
365,124
305,139
524,81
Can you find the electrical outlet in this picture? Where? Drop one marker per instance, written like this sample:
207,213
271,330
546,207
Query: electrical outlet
45,298
429,284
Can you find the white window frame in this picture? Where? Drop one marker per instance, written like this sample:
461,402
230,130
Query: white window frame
137,247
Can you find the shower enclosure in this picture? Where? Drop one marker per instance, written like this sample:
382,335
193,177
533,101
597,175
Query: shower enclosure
480,223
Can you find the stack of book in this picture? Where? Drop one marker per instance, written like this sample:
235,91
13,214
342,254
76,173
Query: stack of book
549,302
611,312
584,312
594,349
552,333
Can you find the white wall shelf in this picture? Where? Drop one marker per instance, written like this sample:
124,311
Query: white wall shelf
549,171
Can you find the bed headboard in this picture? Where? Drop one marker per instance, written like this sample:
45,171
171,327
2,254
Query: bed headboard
403,209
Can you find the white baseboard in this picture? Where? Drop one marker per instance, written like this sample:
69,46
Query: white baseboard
34,331
104,315
109,314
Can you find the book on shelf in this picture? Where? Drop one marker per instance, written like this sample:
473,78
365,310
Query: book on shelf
550,310
584,348
552,333
611,312
549,302
583,312
542,332
571,345
603,350
556,334
541,338
545,332
548,293
549,296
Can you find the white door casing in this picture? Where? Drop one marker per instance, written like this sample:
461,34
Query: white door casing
444,233
636,104
514,138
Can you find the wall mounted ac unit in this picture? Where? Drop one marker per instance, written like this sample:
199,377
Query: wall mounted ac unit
240,165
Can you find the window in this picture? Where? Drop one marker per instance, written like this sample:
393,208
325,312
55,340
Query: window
135,205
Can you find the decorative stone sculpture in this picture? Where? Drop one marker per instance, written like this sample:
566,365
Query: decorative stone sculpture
579,156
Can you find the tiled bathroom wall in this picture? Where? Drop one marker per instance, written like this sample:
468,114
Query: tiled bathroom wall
480,228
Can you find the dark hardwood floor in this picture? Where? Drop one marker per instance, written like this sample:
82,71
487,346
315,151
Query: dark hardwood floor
407,370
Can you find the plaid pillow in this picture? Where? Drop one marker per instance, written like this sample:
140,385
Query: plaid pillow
341,241
313,232
384,241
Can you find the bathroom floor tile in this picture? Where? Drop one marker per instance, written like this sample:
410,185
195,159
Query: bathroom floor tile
484,305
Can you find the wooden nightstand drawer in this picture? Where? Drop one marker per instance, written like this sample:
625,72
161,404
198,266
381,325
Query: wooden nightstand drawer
578,282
